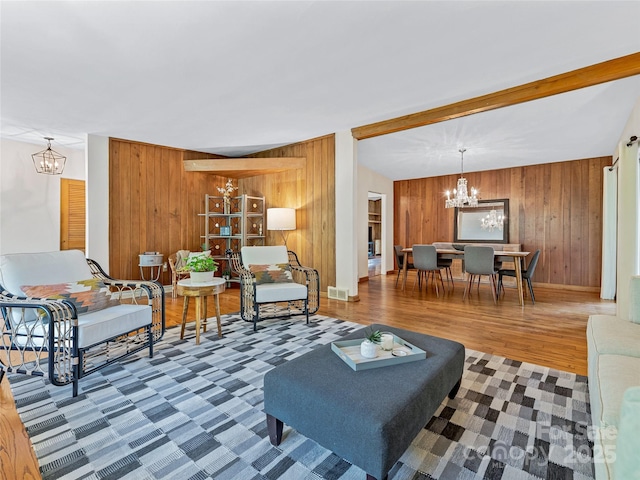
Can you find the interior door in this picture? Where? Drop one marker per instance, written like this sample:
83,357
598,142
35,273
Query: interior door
72,214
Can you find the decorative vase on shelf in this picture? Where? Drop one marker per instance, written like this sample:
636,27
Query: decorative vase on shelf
227,206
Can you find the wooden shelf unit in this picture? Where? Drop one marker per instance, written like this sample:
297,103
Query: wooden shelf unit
245,217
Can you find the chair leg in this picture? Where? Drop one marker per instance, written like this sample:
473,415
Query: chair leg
493,289
398,277
533,298
467,287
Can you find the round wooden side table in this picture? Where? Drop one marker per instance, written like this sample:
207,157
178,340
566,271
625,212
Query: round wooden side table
200,291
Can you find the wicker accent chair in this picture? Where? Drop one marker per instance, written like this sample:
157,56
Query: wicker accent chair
177,270
297,293
65,318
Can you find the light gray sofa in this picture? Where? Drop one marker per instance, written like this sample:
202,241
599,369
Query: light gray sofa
614,391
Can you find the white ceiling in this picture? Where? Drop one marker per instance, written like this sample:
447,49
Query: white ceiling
238,77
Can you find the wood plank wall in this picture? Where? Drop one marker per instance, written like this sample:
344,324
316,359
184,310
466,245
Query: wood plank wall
554,207
312,192
153,204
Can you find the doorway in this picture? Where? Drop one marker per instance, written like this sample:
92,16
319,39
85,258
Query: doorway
72,214
374,240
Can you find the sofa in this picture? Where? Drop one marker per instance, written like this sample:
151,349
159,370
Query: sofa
614,391
63,317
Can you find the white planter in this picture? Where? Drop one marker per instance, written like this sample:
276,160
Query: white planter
368,349
201,277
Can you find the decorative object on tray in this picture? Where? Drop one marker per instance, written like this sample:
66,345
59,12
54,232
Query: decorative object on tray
226,192
369,346
350,351
202,267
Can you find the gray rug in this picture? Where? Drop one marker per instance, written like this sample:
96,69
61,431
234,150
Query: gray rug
195,412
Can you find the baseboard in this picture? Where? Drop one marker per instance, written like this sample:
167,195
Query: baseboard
363,279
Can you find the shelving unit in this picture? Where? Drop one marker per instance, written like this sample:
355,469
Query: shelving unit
375,227
240,223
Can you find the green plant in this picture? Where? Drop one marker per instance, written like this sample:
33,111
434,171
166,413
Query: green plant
201,263
373,335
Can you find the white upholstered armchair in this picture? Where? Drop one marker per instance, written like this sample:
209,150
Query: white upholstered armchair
273,284
64,317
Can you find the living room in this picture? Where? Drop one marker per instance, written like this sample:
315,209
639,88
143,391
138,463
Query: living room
140,198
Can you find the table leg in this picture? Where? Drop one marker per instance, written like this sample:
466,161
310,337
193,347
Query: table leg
198,317
217,299
518,268
404,269
204,318
185,307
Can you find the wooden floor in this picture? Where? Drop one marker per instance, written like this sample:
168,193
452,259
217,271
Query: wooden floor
550,333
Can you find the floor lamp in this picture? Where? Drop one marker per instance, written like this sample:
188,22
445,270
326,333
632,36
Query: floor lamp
282,219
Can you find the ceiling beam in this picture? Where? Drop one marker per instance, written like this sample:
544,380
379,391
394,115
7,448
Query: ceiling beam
608,71
243,167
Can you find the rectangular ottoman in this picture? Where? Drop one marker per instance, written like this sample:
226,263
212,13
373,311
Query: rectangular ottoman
367,417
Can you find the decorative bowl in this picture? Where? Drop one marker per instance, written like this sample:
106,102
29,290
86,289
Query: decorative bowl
458,246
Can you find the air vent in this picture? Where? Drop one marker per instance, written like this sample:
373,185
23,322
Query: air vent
338,293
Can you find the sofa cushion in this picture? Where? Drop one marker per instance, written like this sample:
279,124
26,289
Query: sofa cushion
42,269
612,375
613,335
93,327
280,292
627,464
274,273
87,295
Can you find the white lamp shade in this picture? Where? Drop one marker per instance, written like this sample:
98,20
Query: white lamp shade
281,218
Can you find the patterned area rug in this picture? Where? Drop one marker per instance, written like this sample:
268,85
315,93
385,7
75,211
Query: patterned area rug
195,412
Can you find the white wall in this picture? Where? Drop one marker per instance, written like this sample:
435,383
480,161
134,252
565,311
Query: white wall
346,172
29,201
370,181
98,200
628,211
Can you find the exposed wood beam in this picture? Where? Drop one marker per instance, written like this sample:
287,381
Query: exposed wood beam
244,167
608,71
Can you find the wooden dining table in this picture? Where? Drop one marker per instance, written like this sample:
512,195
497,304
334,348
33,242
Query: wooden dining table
516,257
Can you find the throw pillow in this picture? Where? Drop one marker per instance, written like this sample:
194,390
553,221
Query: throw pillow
275,273
87,295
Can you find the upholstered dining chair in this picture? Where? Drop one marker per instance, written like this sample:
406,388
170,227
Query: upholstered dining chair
400,261
526,274
425,259
479,261
445,264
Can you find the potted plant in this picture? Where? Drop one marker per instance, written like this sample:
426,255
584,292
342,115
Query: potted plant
202,268
369,346
226,273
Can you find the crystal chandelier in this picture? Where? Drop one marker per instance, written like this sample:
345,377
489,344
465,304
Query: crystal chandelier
492,221
461,196
49,161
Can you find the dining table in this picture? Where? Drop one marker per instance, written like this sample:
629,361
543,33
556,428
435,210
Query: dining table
515,257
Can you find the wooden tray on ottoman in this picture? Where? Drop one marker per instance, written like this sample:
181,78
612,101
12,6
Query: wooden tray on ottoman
349,352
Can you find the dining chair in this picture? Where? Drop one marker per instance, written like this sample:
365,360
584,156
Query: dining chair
526,274
400,261
425,259
479,261
445,264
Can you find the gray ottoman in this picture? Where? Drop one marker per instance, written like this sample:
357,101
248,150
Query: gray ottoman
368,417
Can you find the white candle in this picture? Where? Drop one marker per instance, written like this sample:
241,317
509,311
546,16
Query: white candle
387,341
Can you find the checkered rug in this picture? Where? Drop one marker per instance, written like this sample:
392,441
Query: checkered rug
195,412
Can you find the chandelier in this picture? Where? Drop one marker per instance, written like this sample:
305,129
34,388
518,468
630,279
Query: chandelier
461,196
49,161
492,221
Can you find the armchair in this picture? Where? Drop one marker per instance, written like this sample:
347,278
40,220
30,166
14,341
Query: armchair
64,317
270,277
